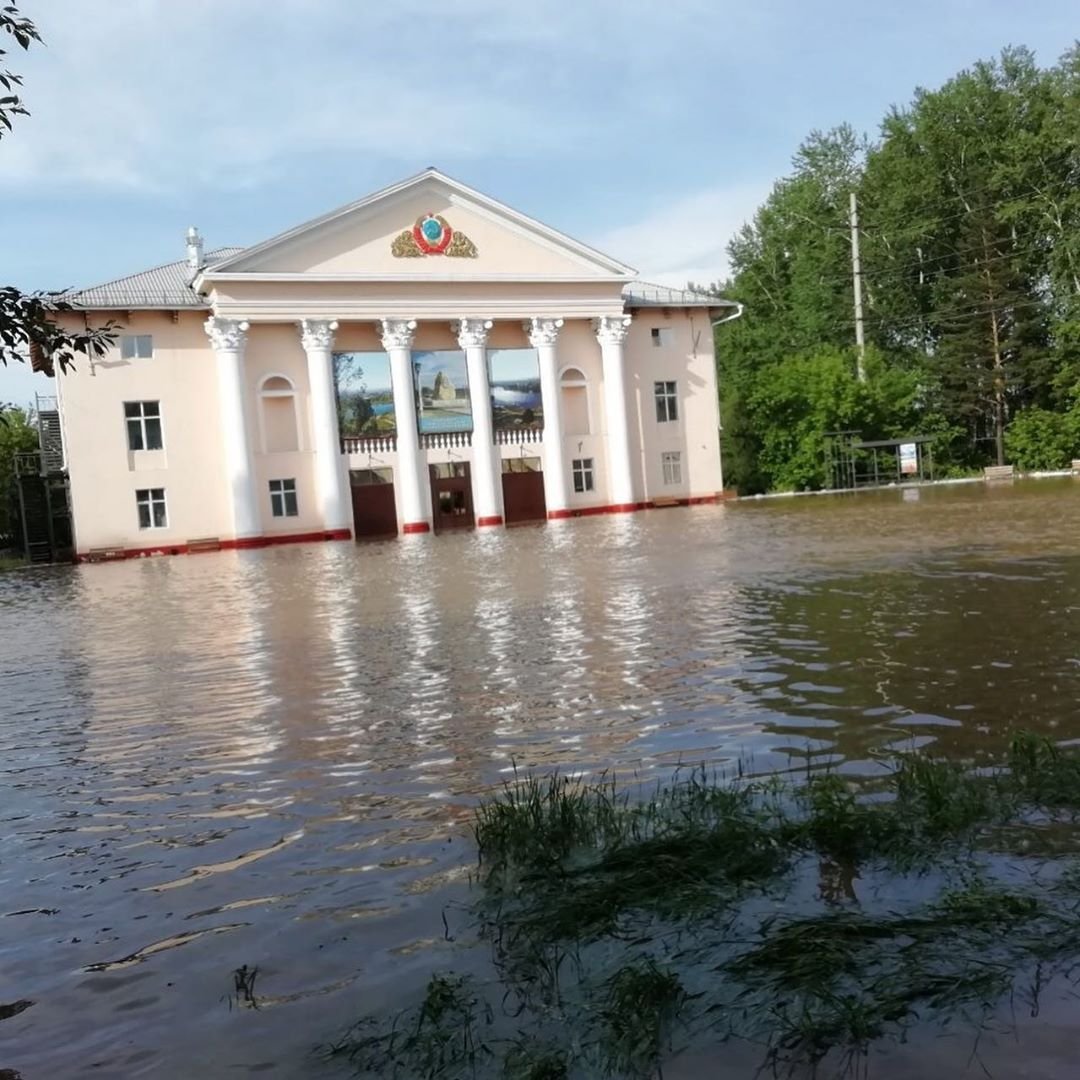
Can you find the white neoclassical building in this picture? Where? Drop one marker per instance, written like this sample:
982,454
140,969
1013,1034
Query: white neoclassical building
423,359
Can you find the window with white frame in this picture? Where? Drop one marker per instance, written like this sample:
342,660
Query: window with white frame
283,498
583,474
151,506
136,346
667,401
672,462
662,336
143,419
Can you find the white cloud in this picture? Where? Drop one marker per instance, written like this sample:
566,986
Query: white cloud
161,95
685,239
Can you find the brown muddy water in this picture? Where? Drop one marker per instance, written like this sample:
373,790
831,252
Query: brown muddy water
269,758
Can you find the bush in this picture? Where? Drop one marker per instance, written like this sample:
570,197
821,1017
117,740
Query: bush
1039,439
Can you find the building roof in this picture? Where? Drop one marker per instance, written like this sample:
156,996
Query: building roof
169,287
645,294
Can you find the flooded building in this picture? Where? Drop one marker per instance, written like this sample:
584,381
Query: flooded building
423,359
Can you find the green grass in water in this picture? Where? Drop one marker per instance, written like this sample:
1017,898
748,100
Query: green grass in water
626,922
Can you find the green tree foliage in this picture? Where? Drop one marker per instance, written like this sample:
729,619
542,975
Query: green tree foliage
17,435
970,211
1041,439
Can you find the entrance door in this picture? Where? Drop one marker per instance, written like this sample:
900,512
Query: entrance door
374,512
523,491
451,496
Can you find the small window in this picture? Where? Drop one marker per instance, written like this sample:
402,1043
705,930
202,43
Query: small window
667,402
448,470
662,336
521,464
583,474
143,420
151,506
672,462
283,498
366,477
136,346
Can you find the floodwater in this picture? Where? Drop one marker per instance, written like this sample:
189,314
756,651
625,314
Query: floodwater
268,758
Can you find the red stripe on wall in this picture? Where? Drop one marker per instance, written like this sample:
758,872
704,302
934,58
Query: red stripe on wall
240,543
113,554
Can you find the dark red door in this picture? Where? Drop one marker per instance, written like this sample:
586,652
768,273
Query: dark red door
451,496
523,491
374,511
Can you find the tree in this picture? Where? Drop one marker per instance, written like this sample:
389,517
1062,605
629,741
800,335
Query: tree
29,329
970,207
17,435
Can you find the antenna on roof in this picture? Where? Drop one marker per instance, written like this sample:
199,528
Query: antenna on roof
194,250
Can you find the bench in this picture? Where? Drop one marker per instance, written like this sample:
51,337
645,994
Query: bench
999,472
204,543
105,554
1075,466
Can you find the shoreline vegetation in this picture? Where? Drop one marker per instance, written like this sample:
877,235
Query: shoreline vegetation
817,916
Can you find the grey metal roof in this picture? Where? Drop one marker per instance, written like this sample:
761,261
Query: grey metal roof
166,286
645,294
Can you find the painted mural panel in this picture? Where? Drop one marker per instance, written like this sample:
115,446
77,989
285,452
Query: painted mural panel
365,396
442,391
515,389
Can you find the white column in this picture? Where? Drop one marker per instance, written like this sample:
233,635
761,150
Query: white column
543,334
411,482
486,466
227,337
611,331
331,488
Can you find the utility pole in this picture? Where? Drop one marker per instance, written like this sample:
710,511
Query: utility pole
856,271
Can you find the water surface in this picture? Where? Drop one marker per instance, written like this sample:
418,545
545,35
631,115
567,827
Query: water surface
269,758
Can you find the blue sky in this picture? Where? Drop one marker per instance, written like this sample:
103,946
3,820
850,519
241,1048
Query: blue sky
649,129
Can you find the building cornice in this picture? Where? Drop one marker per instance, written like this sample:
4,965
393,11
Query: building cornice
212,278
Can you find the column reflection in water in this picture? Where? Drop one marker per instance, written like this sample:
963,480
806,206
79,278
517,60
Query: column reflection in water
188,673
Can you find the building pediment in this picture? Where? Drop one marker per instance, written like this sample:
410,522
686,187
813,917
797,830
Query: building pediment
429,227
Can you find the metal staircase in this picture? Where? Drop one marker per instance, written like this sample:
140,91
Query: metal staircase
41,479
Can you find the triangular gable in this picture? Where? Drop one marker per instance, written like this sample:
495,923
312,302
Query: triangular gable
428,226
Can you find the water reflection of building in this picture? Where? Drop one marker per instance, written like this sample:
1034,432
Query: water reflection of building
352,376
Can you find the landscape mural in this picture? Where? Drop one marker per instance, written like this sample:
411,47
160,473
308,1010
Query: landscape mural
365,396
515,389
442,391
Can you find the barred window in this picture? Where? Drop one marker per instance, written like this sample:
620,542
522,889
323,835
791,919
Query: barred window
672,462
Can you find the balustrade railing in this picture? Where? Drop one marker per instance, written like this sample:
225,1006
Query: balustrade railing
515,436
439,440
445,440
369,444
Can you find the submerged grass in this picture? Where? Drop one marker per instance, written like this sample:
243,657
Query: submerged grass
624,921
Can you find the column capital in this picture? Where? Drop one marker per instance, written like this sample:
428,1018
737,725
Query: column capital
543,331
397,333
473,333
612,329
317,333
225,334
